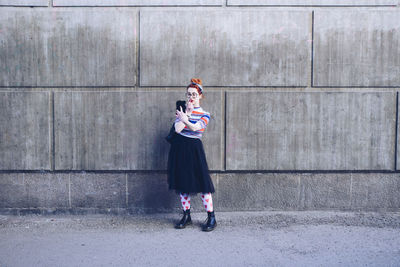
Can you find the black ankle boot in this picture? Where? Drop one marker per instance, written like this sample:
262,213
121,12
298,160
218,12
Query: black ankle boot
211,222
186,220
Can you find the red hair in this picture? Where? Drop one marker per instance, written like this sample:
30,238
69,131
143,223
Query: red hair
191,85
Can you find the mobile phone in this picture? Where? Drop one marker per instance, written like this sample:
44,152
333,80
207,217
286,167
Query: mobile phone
179,104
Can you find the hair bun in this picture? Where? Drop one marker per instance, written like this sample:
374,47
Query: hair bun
195,80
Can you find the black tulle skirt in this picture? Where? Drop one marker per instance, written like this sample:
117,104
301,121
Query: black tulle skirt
187,167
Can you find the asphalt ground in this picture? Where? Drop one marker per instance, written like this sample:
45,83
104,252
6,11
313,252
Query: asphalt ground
268,238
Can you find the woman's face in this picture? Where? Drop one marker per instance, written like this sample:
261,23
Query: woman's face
193,95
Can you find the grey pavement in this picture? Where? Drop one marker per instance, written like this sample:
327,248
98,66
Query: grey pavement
268,238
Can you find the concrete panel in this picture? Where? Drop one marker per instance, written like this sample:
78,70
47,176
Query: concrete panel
238,191
137,3
68,47
33,190
311,2
98,190
325,191
24,130
357,48
375,191
310,130
149,193
398,139
125,130
225,47
24,2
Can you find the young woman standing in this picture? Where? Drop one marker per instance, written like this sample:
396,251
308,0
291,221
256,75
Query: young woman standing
187,165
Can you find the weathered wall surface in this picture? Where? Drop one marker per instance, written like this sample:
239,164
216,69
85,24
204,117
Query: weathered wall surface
74,47
115,130
310,130
303,98
229,47
357,48
25,138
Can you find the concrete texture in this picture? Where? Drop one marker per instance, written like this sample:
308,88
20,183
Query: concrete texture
98,190
24,2
240,239
352,3
310,130
140,193
374,192
25,130
118,130
137,3
225,47
68,47
308,191
34,190
257,191
356,48
319,191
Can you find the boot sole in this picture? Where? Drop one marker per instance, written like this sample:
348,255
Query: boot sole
183,226
209,229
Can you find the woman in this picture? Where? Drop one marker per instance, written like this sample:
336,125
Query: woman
187,166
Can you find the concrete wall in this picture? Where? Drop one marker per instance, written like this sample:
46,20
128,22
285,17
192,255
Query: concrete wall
303,98
310,130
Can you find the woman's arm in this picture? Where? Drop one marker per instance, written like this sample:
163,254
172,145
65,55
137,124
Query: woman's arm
184,120
179,125
192,126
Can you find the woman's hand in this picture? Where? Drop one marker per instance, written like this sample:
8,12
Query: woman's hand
182,116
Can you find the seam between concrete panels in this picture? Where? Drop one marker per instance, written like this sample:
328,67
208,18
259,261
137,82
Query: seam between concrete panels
137,84
217,89
211,171
300,204
304,171
396,131
52,130
351,189
310,5
126,190
174,87
312,49
330,6
355,86
225,123
69,190
224,3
